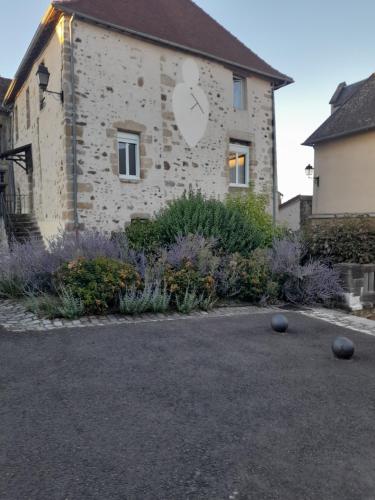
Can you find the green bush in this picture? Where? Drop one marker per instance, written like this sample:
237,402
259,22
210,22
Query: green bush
254,208
150,299
188,279
71,307
256,281
350,240
44,306
143,235
11,286
195,214
97,282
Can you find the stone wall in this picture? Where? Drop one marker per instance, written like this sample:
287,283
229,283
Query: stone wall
358,284
46,185
126,84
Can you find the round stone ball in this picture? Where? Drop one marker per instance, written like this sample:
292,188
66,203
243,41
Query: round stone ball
343,348
279,323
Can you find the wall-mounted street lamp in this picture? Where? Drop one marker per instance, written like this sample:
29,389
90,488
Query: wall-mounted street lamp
310,174
43,76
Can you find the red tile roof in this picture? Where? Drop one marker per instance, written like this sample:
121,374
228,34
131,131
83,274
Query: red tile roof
354,116
177,22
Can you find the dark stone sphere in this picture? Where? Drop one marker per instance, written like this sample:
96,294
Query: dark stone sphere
279,323
343,348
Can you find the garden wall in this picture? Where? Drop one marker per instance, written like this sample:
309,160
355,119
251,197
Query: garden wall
358,284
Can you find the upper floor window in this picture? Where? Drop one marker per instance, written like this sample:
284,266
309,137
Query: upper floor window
239,92
239,165
128,151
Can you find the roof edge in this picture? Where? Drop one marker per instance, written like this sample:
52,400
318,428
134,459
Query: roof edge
338,136
301,197
44,23
282,82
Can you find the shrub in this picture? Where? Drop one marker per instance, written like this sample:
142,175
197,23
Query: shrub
27,269
187,278
97,282
11,286
30,266
188,301
350,240
194,214
193,249
256,281
302,279
143,235
71,307
254,208
44,305
151,298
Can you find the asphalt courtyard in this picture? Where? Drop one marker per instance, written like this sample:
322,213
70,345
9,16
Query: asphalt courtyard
215,408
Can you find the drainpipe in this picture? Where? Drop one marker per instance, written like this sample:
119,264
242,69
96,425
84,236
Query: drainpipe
74,127
275,194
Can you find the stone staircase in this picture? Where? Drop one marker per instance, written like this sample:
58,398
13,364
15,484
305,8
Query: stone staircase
23,227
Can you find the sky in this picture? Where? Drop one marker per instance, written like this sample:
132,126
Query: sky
319,44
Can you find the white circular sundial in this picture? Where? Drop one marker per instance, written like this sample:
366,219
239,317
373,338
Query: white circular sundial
190,105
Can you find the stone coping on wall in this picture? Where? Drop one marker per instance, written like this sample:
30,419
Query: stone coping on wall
356,295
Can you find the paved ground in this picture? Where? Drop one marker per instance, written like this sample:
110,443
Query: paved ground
205,408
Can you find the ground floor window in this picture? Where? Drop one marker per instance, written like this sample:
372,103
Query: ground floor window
239,165
128,152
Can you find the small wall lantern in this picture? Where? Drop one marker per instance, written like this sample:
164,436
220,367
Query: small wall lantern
310,174
43,76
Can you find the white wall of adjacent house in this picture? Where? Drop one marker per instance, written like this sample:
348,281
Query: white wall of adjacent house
44,129
345,168
290,214
126,85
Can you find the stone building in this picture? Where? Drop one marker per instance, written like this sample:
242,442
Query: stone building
5,133
145,100
295,213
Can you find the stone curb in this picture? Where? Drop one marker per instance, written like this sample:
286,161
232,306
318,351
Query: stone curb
340,318
15,318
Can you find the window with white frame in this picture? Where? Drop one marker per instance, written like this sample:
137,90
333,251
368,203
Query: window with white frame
239,92
239,165
128,152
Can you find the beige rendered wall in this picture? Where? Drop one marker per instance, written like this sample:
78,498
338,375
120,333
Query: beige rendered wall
123,83
47,184
346,170
290,215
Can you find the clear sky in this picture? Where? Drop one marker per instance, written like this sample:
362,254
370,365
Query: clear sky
319,44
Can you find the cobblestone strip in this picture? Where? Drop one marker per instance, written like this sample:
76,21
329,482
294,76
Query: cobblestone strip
340,318
14,317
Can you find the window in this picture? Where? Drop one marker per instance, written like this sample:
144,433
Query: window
239,92
239,161
28,108
128,151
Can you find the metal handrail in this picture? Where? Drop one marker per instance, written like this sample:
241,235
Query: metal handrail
16,203
4,214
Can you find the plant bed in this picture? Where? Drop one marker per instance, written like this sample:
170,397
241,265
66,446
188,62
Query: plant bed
169,265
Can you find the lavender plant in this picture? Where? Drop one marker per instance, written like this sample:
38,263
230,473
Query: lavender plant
193,248
188,302
303,280
151,298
